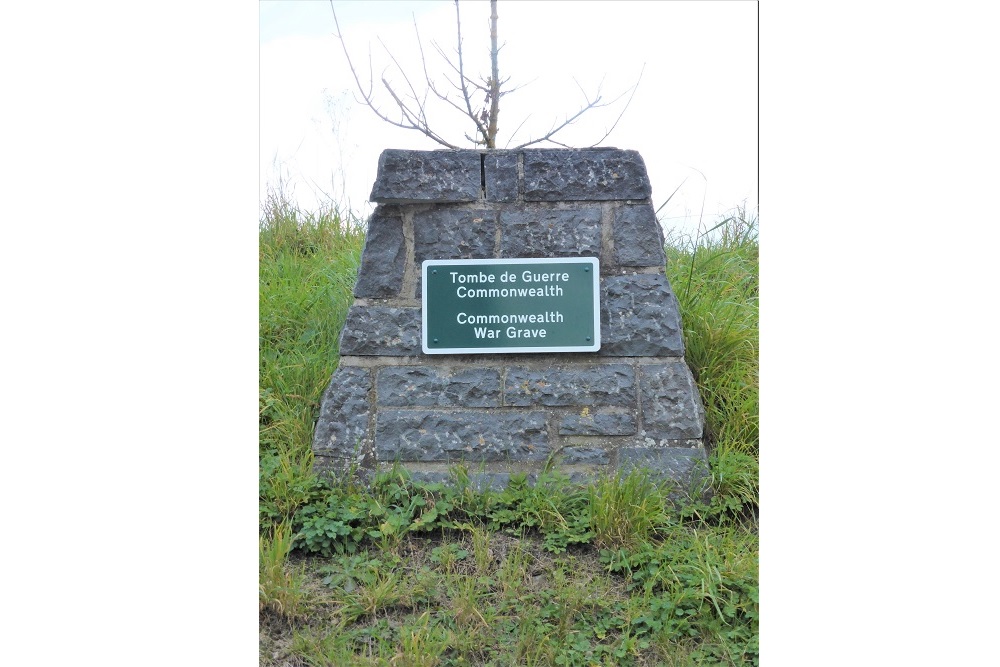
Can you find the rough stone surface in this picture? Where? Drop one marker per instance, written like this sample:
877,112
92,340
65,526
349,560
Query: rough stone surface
669,399
638,236
594,174
434,386
598,423
640,317
406,177
470,436
478,481
384,257
550,232
381,330
342,428
689,467
501,176
452,234
586,455
603,385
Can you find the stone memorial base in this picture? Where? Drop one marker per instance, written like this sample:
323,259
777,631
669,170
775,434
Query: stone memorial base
631,404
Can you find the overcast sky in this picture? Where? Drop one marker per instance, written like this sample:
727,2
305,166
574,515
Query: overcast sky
693,117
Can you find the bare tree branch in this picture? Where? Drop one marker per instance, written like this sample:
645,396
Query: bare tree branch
461,79
421,111
595,104
369,98
412,106
624,109
517,130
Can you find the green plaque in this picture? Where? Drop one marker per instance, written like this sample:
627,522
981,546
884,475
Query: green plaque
479,306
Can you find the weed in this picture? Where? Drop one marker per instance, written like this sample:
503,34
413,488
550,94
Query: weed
552,506
281,592
447,555
422,643
735,486
627,509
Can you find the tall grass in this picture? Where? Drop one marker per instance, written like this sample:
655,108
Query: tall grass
715,277
308,263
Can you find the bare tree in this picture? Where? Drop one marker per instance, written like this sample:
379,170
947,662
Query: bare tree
409,105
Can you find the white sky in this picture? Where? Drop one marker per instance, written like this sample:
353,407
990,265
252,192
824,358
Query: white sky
693,117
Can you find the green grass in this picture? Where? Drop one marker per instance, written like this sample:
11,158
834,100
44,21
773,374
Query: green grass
406,573
308,266
715,278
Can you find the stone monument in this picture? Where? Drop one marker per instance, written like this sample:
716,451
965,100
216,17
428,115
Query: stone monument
393,399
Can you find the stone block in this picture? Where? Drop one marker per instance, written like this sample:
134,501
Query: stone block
381,330
383,260
408,177
342,428
478,481
599,385
668,397
453,233
590,174
640,317
584,455
589,422
436,386
688,467
528,232
501,176
473,436
638,236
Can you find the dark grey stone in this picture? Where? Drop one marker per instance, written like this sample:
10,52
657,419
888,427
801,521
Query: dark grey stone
381,330
342,427
478,481
640,317
600,385
435,386
687,467
669,400
529,232
450,233
592,174
638,236
501,176
384,257
406,177
587,455
598,423
472,436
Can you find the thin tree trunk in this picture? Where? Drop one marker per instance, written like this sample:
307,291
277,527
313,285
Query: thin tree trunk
491,139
